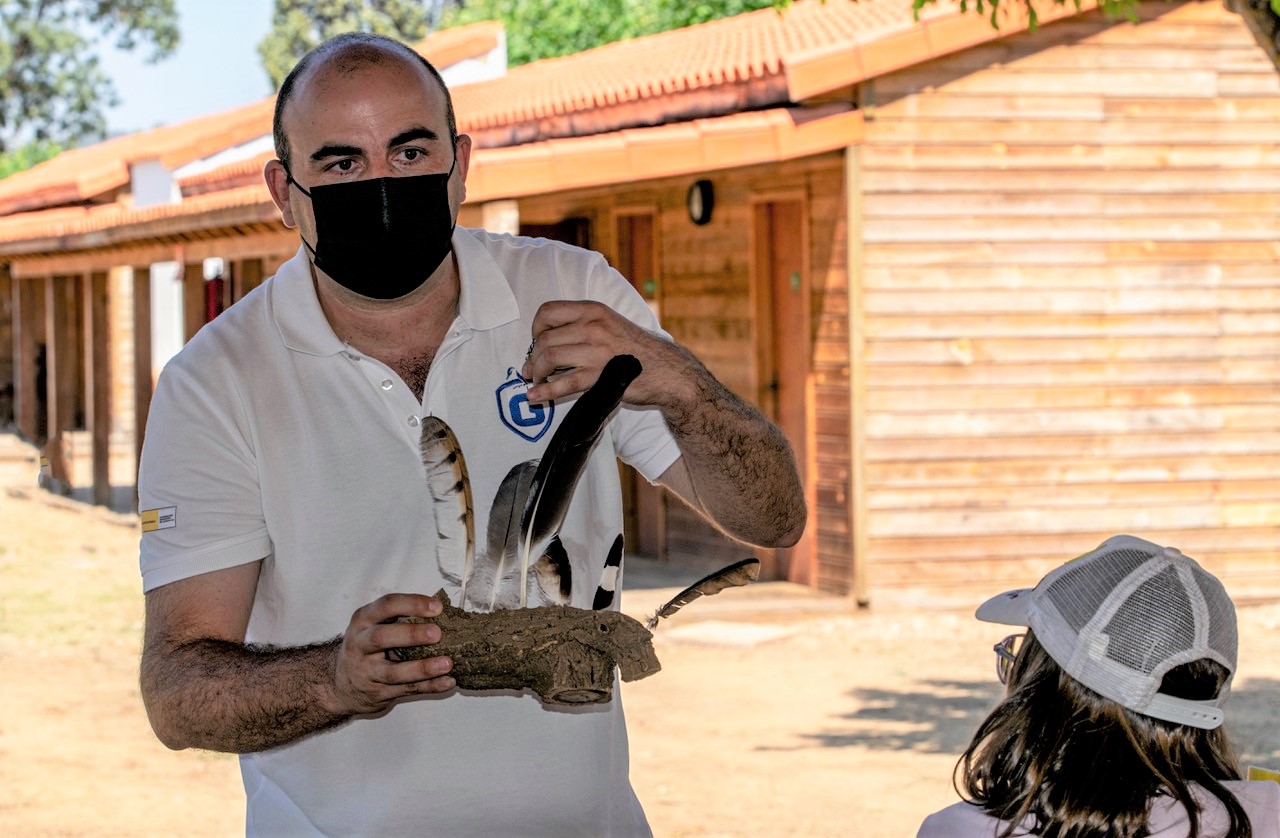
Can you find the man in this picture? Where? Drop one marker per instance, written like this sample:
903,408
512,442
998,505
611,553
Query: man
290,505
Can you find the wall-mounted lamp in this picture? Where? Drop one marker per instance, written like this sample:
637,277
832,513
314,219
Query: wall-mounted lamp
701,200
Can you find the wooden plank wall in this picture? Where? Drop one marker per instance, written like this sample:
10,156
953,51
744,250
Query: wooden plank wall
707,303
1072,299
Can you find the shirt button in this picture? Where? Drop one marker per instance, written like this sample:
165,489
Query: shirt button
386,384
413,421
351,356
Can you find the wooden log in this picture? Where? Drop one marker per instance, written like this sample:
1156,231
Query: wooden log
564,655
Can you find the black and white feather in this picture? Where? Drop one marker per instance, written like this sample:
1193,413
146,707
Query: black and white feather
524,561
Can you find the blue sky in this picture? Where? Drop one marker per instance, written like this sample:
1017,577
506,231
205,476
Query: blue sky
214,68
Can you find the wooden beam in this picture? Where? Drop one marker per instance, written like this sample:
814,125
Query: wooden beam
97,381
192,298
28,336
244,247
142,380
74,262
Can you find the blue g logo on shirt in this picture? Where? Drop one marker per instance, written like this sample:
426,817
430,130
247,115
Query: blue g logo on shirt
521,416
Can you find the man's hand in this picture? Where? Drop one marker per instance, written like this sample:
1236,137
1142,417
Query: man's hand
736,467
204,687
573,340
364,680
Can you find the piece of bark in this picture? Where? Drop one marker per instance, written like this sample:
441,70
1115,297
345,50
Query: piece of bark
565,655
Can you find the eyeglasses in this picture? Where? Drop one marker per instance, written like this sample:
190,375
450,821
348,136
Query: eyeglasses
1006,653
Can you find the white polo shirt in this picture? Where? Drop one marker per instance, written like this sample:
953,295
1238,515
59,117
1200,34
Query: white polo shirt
269,439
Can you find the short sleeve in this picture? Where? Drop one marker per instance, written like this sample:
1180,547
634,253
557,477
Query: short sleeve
199,493
641,436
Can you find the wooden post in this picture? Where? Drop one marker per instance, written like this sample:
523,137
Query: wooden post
248,277
60,341
858,512
142,381
7,314
192,298
28,330
97,382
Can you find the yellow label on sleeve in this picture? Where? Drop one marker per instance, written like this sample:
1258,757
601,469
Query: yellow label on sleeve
163,518
1256,773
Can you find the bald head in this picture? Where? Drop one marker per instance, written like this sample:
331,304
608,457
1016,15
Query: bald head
347,54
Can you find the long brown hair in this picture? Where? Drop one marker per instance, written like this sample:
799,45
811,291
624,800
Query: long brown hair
1082,766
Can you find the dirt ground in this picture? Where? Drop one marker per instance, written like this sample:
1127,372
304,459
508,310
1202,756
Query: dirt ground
778,711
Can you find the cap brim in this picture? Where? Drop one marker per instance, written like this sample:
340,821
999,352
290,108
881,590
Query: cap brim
1009,608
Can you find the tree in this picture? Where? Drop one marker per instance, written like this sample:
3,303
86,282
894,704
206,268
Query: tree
548,29
52,87
299,25
24,157
991,8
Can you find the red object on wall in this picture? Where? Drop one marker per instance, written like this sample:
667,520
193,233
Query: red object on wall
213,289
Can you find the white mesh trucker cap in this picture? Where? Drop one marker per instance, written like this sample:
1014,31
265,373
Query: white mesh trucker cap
1120,617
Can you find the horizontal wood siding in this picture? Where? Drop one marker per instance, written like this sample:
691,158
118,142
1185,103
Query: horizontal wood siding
1071,287
707,303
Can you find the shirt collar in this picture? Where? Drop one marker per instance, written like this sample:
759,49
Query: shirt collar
486,302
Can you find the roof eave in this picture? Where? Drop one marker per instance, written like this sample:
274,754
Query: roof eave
699,103
132,232
822,71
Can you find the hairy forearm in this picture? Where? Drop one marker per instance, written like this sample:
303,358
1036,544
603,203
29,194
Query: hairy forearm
741,464
223,696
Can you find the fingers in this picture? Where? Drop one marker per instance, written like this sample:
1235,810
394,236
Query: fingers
365,681
573,340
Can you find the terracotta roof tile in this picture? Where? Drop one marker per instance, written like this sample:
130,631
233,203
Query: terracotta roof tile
97,170
65,222
753,47
83,173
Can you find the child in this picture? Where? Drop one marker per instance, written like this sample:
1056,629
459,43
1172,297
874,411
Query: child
1111,724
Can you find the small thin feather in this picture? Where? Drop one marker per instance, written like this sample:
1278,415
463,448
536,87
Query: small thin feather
450,490
736,574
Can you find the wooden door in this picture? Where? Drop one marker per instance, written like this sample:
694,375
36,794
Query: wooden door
644,504
784,343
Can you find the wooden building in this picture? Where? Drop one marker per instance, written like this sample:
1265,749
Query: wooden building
1007,292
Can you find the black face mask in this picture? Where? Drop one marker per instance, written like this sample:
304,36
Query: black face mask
381,237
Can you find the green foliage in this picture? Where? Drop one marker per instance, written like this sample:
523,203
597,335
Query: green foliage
562,27
1127,9
299,25
51,85
24,157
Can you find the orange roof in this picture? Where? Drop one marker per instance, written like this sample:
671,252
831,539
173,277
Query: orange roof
447,47
673,71
82,173
583,120
85,173
701,145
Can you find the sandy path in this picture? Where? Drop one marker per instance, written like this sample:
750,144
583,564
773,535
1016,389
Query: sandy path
778,712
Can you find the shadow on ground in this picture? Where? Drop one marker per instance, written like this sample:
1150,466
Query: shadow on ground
938,718
942,715
1252,711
